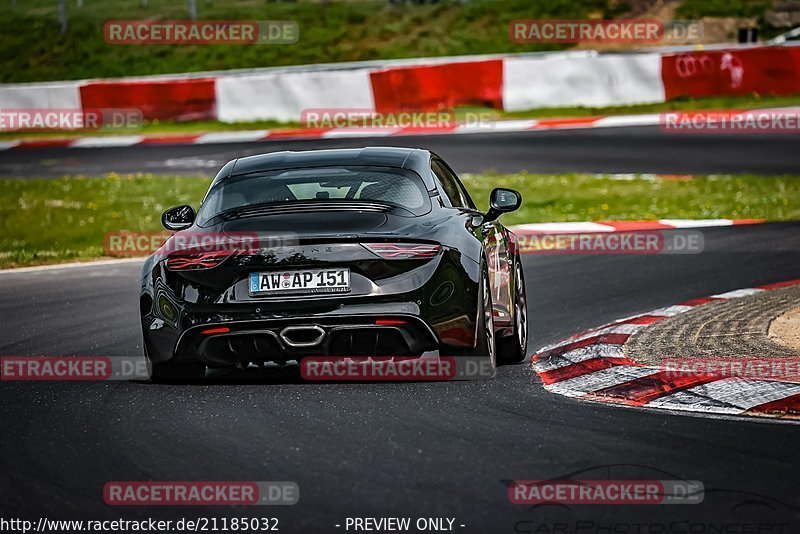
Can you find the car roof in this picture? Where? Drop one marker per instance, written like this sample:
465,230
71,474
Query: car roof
414,159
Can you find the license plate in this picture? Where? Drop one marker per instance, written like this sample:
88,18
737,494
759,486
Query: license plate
304,281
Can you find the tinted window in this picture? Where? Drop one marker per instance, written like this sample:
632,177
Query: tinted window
452,187
396,187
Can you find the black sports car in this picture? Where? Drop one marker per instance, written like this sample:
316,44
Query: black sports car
354,253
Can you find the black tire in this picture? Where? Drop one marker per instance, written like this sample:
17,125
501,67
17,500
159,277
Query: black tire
175,372
513,348
485,351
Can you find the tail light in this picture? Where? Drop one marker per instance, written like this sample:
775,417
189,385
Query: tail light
215,331
194,261
403,251
390,322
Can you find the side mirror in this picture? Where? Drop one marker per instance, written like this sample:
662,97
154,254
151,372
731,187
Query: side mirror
178,218
502,201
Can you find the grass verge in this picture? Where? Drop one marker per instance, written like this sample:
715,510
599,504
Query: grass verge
58,220
32,47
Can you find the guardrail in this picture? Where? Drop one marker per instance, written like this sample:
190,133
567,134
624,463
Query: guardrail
511,82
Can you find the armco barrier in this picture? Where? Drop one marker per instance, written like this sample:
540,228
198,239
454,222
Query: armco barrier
182,100
57,95
763,70
283,96
591,80
477,83
513,82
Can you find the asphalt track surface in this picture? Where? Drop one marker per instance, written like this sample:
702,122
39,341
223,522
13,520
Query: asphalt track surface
393,449
607,150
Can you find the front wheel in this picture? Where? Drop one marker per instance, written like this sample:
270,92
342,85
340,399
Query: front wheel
514,347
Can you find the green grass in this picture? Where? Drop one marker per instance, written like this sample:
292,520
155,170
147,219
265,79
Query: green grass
581,197
751,101
33,49
752,9
50,221
159,127
695,9
684,104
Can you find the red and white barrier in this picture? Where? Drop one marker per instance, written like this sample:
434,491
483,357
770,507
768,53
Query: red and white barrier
444,86
591,80
178,99
56,95
769,69
512,83
283,96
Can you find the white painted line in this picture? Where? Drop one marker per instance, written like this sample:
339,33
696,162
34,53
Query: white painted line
57,266
740,393
589,383
5,145
107,141
600,350
788,109
696,223
739,293
563,227
231,137
670,311
650,119
338,133
594,227
566,124
498,126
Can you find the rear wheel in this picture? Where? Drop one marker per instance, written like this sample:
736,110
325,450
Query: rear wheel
175,372
485,351
514,347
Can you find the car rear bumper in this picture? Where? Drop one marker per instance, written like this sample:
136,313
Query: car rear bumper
230,343
227,337
438,312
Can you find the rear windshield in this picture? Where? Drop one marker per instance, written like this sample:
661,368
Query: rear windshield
394,187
